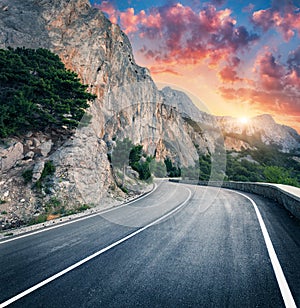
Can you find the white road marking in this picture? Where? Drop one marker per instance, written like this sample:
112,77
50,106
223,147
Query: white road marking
77,220
70,268
281,280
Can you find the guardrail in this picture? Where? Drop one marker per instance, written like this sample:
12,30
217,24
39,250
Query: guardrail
288,196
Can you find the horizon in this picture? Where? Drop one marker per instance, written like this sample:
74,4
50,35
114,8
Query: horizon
237,59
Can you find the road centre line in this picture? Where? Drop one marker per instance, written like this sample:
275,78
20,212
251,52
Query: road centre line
72,267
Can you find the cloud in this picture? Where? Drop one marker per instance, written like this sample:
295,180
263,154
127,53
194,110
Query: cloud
218,2
188,37
184,36
274,76
283,16
249,8
229,74
294,61
155,70
275,88
264,101
129,21
271,73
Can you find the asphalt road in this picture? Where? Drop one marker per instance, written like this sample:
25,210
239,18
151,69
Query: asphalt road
206,249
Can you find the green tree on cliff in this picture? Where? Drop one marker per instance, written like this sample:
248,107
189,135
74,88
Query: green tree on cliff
120,155
38,93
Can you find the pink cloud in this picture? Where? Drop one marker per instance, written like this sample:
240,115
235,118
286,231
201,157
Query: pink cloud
185,36
276,88
286,20
271,73
229,75
129,21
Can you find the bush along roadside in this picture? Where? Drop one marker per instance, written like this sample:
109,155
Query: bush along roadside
56,208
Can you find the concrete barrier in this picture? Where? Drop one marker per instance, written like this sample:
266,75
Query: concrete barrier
288,196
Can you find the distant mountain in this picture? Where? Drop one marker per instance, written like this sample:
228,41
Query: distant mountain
237,135
263,129
186,107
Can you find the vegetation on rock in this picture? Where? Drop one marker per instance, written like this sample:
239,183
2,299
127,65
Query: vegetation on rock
38,93
125,153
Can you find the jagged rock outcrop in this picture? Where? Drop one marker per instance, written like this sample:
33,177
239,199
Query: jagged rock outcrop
128,103
10,156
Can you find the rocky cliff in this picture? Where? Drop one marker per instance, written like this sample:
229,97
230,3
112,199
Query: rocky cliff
128,104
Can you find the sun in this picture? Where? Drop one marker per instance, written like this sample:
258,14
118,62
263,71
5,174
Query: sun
243,120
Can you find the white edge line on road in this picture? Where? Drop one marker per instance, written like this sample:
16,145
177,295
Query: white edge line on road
281,280
70,268
79,219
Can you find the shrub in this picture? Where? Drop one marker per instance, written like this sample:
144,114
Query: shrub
27,176
48,170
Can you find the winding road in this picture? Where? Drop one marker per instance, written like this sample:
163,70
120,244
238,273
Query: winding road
181,245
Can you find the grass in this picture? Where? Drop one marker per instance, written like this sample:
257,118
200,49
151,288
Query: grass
55,208
37,220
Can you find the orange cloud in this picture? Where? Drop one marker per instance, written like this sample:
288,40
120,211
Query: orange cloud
129,21
155,70
229,75
275,90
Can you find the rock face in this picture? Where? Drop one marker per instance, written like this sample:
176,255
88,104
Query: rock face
10,156
128,102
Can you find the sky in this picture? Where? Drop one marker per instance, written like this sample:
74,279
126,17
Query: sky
238,58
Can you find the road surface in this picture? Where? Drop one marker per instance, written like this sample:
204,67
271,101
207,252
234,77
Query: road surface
182,245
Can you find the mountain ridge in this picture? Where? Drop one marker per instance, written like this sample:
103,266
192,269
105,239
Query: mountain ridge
285,137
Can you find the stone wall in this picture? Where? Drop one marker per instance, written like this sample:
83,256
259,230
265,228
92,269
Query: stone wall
285,195
282,194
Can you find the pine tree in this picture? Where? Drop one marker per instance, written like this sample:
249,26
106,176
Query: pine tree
38,93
